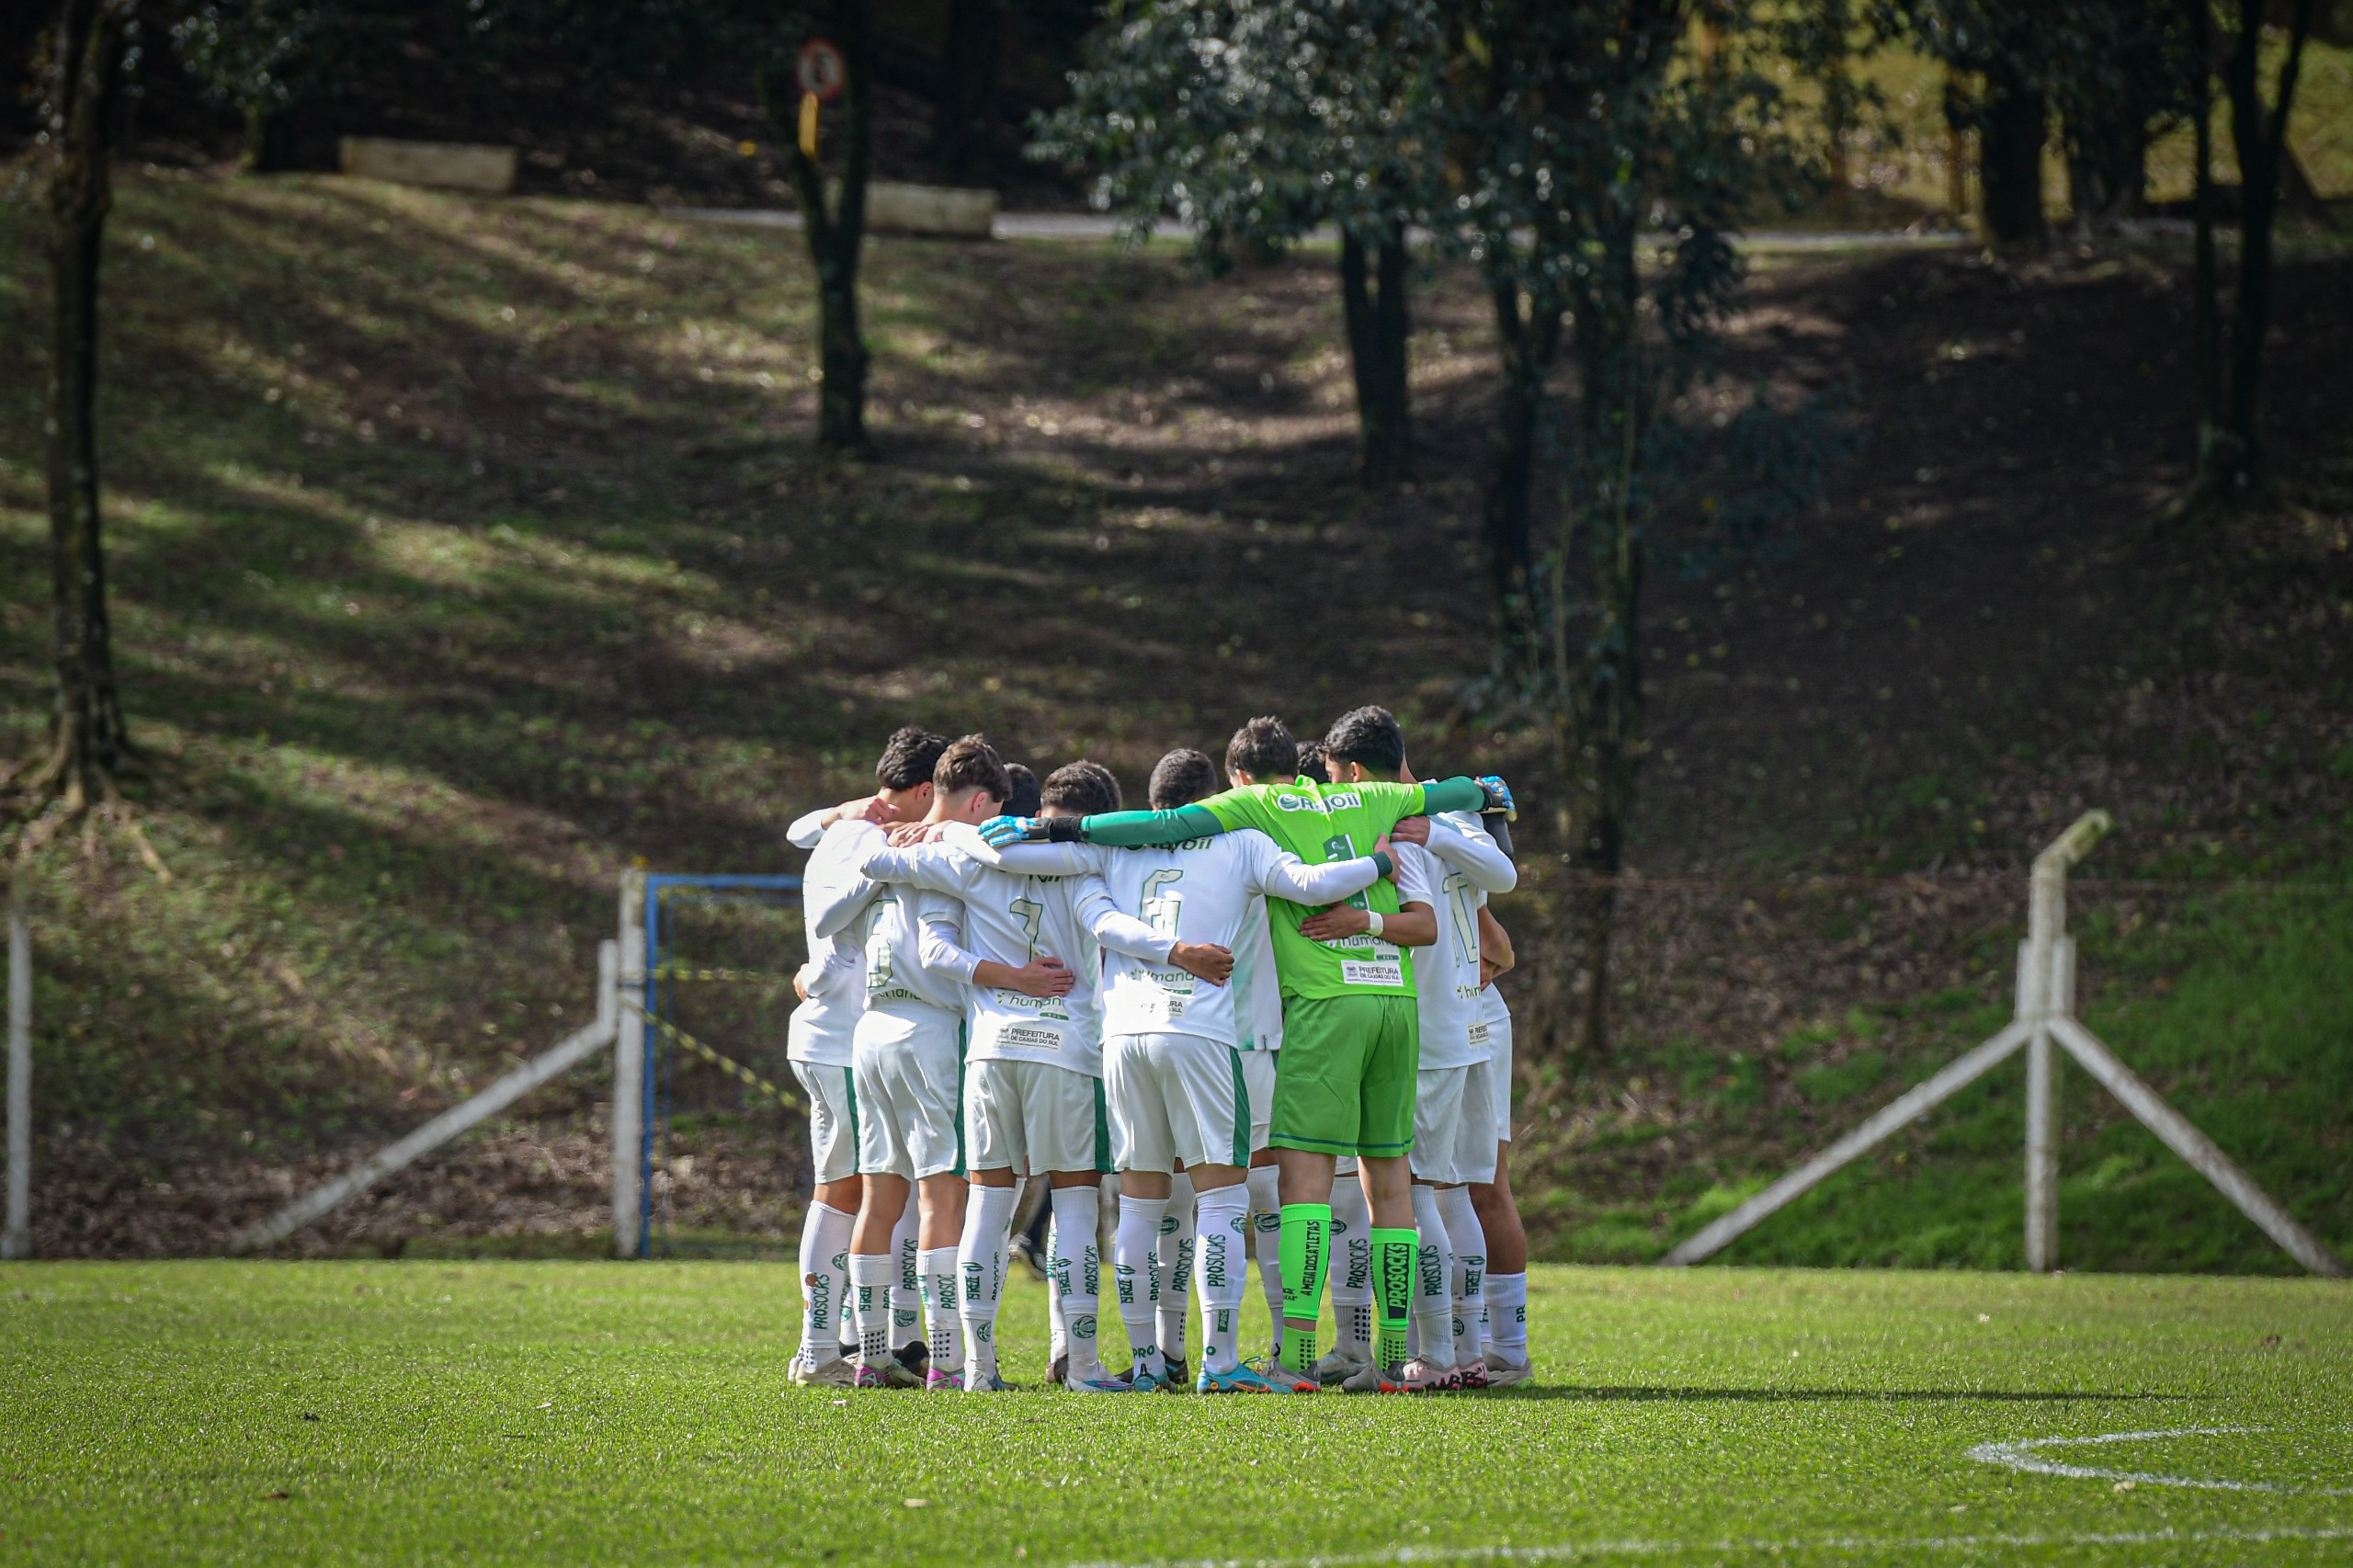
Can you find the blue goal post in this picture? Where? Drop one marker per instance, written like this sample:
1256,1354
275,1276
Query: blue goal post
645,1056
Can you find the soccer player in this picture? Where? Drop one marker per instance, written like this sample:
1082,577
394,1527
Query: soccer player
906,1064
1454,1138
818,1041
1187,969
1503,1345
1033,1092
1344,1081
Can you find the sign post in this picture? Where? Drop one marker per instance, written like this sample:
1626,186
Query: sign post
823,72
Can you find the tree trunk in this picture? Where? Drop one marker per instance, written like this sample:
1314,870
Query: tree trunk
2011,165
2206,327
1378,335
269,146
2231,452
88,740
964,118
1605,688
2104,171
1526,343
834,229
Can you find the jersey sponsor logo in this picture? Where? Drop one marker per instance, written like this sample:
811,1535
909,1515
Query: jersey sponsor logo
1051,1009
1345,800
1030,1036
1353,971
1468,994
1287,801
1478,1033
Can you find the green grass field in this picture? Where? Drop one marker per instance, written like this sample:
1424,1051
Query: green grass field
602,1411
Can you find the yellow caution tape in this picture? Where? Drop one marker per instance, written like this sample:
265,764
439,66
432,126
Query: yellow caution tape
725,1063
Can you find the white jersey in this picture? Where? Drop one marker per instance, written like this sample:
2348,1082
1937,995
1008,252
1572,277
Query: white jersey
1206,890
1462,865
1492,1033
889,926
1011,918
821,1027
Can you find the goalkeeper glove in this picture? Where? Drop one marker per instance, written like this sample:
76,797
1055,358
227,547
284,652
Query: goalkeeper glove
998,831
1499,798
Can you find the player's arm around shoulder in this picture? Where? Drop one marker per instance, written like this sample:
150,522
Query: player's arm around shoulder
1457,839
835,891
1274,872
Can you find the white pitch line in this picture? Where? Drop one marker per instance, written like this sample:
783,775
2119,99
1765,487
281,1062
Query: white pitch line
1569,1551
2021,1456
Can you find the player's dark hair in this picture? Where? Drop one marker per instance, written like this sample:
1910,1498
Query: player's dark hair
1312,765
1083,789
971,763
1023,801
908,758
1181,777
1368,737
1263,749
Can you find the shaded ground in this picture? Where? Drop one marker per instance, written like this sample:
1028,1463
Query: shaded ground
467,552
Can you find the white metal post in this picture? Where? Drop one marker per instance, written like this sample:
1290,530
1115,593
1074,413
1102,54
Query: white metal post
630,1041
16,1240
2046,990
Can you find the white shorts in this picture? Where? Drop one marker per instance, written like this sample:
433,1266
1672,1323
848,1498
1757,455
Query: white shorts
1454,1127
1180,1096
833,1119
1033,1118
1499,1073
1258,1073
907,1074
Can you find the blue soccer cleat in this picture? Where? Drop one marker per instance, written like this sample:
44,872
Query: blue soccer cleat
1243,1379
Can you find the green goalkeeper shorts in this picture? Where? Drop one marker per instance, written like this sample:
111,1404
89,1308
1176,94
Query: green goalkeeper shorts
1344,1084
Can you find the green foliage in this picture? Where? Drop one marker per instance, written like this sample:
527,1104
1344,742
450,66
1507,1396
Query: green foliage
1255,122
263,56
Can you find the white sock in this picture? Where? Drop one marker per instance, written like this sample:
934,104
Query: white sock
1467,1273
1175,1253
1433,1283
1057,1330
1135,1271
1351,1247
1508,1314
825,1283
941,1335
981,1258
1078,1270
1219,1262
871,1275
907,1291
1267,1242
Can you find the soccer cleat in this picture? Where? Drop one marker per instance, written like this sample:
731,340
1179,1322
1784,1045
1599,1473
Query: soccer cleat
1276,1372
985,1382
1058,1370
1503,1371
1339,1366
937,1381
877,1377
1178,1373
1242,1378
1031,1259
1145,1382
1096,1385
841,1372
1376,1378
1420,1377
916,1356
1473,1376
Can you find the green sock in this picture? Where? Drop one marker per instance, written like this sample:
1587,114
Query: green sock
1392,1289
1306,1250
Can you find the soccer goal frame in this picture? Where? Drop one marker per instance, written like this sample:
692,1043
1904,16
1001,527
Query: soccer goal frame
646,1048
2045,1016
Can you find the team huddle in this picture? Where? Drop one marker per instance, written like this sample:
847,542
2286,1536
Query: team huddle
1267,1009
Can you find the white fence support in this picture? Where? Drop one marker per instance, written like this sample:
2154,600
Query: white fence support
16,1238
576,1048
632,1038
2176,1131
2045,1014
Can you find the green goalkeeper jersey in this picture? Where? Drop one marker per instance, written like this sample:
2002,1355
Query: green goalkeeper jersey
1318,822
1322,823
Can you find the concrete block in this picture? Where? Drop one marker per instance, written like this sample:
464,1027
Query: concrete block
455,165
896,209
